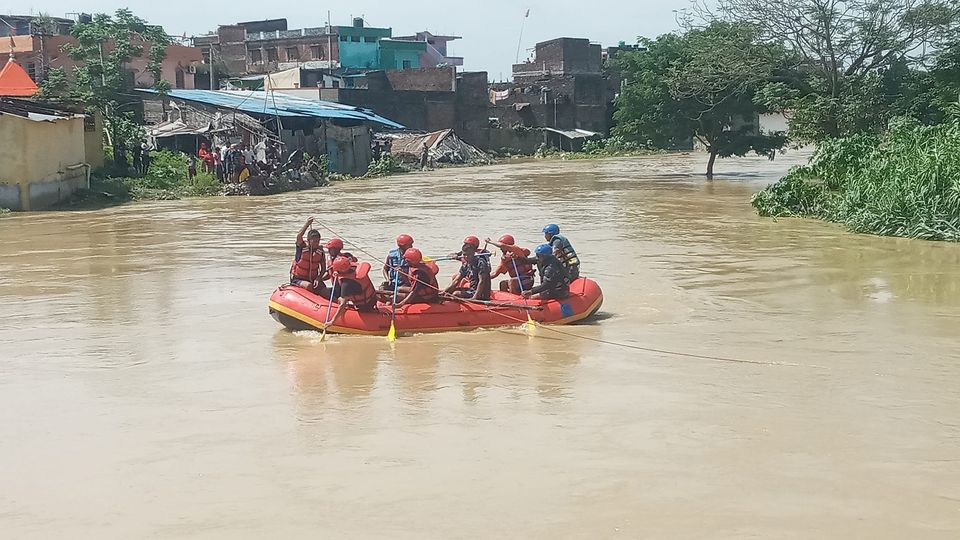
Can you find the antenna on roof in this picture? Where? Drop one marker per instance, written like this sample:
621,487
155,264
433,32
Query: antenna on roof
520,39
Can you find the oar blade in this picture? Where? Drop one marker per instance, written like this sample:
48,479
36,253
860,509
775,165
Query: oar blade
392,334
530,326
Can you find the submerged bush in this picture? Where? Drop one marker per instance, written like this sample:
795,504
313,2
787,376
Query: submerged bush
385,166
905,183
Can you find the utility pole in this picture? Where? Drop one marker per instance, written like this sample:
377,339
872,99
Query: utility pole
520,39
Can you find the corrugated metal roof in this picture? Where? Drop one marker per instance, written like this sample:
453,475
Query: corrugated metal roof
270,104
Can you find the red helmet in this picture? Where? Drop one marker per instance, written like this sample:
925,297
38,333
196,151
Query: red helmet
472,241
404,240
507,239
334,243
340,265
413,256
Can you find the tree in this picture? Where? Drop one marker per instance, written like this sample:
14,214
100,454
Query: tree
843,50
102,81
698,85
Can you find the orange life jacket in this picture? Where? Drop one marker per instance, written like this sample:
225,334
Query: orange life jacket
309,265
428,291
359,274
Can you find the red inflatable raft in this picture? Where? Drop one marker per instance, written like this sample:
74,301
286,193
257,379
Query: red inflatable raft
298,309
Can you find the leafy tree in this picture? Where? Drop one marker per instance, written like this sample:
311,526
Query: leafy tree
698,85
847,56
102,81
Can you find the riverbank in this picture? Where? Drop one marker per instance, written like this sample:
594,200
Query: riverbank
904,183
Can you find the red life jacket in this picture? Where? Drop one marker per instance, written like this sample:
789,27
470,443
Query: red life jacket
428,290
308,267
359,274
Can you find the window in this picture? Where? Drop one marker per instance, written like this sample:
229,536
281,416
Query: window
272,55
89,123
407,64
316,52
355,39
180,79
32,70
336,83
293,53
256,56
343,38
370,39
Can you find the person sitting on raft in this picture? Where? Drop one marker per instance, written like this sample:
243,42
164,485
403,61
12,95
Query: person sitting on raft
396,268
554,282
562,250
309,264
335,249
513,262
475,268
423,288
353,285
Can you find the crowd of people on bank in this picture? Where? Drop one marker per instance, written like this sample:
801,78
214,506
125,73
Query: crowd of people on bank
233,163
410,277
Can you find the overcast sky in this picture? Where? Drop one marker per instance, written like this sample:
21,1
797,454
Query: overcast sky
490,28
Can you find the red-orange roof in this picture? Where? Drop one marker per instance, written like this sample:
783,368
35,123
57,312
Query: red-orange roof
14,80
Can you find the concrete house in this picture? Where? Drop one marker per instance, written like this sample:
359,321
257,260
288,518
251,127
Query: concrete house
47,153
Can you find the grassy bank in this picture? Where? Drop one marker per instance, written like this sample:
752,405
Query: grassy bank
167,179
904,183
602,148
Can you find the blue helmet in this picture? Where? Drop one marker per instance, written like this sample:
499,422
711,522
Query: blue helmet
552,228
543,249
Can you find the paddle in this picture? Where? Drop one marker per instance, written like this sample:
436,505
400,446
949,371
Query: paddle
392,334
326,321
492,304
431,259
530,324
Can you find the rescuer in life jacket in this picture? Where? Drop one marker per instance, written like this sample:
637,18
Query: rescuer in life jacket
395,267
474,270
562,250
335,249
309,264
514,261
353,285
554,282
423,288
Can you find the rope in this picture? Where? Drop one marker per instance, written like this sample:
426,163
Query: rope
593,339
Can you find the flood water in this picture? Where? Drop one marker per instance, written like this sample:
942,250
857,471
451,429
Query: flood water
146,393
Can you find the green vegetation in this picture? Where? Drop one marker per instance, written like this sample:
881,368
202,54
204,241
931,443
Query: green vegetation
905,182
387,165
102,82
167,179
700,85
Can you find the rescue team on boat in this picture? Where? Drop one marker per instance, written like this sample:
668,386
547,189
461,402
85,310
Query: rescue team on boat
411,278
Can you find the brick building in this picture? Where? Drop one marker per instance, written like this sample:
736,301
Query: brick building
38,46
564,87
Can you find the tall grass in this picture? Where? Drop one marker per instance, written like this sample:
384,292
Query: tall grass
904,183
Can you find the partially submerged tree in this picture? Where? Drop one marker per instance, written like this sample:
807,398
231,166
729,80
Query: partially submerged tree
843,50
102,80
699,85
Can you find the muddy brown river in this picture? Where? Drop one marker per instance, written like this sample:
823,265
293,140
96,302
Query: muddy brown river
146,393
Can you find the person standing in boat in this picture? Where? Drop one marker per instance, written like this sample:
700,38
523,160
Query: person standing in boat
562,250
475,269
514,261
423,288
309,264
554,281
396,268
353,285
